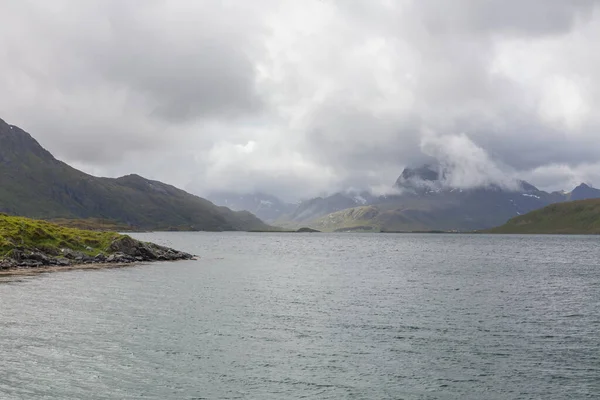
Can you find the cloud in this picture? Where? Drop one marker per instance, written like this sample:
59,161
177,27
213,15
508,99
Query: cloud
554,176
465,165
299,98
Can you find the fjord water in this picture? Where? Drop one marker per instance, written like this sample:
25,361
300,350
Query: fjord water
314,316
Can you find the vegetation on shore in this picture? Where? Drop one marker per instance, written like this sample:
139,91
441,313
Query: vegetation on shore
32,243
574,217
93,224
20,232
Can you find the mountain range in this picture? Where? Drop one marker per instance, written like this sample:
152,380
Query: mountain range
267,207
35,184
422,200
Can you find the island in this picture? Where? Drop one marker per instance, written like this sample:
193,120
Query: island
307,230
38,246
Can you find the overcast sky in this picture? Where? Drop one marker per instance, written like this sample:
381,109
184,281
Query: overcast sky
299,98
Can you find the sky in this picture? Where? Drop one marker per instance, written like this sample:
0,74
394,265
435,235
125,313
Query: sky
304,98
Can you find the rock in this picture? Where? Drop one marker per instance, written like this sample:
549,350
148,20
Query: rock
146,252
63,262
125,245
140,251
7,263
88,260
35,256
72,255
29,264
16,254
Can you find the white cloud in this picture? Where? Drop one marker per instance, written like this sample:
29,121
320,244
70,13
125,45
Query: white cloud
464,164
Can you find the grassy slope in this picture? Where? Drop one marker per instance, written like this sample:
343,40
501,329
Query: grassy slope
29,234
92,224
575,217
368,219
37,185
357,218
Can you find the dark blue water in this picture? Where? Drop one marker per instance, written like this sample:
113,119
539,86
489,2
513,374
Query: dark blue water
314,316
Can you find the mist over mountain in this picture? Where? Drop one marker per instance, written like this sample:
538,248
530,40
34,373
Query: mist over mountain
266,207
424,198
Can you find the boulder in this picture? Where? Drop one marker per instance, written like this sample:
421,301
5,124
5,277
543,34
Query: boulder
125,245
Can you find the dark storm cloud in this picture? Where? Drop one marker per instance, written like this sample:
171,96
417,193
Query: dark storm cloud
96,80
187,63
298,98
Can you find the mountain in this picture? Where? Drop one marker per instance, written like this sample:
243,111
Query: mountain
583,192
311,209
422,200
573,217
420,180
452,209
266,207
35,184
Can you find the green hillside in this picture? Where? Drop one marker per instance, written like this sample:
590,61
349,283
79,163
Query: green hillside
575,217
35,184
25,233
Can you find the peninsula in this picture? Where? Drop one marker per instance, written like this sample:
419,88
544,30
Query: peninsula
37,246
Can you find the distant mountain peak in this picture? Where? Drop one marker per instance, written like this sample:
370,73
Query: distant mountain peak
583,192
15,143
428,178
427,172
527,187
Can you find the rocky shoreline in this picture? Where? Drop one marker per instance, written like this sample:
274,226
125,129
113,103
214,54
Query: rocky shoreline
122,251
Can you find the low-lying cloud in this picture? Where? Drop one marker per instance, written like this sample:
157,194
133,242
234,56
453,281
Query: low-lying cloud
464,165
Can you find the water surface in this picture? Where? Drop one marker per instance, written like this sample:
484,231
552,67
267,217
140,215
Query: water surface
314,316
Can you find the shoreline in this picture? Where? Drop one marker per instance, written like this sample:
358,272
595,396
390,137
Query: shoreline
20,271
32,271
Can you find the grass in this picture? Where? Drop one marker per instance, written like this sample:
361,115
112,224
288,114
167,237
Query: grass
357,218
93,224
20,232
574,217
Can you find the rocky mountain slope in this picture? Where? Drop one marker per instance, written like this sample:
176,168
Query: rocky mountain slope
35,184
